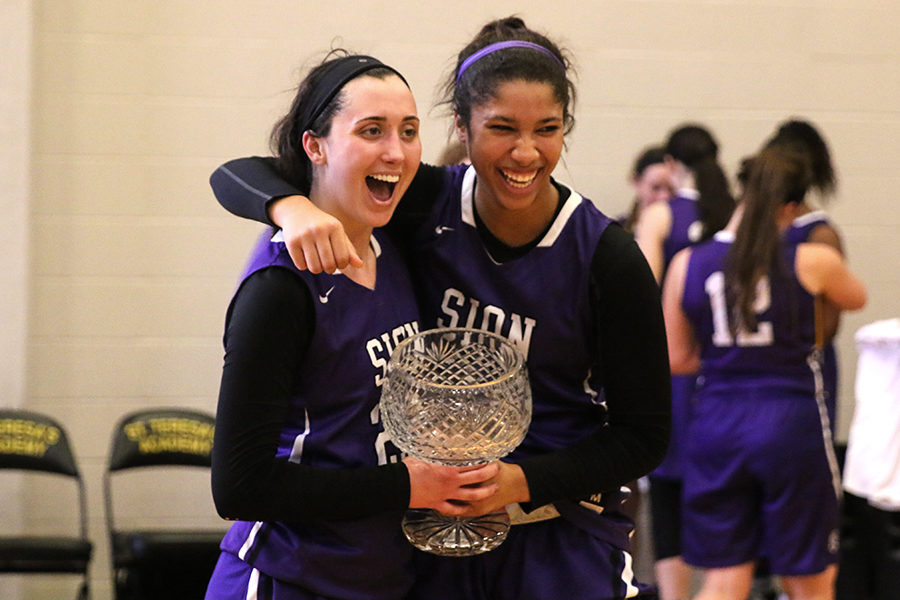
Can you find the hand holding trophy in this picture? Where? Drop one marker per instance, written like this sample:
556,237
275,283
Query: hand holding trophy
458,397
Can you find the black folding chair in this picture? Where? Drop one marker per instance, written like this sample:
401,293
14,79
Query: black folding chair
163,562
37,446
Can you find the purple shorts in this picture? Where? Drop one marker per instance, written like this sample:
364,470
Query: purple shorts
233,579
548,559
672,466
761,480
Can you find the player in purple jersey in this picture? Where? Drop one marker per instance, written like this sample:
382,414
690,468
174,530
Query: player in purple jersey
701,206
702,202
502,246
813,225
760,477
300,459
651,178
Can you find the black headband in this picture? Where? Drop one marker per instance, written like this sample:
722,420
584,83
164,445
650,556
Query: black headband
337,74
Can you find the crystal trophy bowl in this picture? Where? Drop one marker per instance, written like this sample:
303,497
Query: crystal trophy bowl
458,397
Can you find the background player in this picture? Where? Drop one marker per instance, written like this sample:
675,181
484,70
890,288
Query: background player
760,477
701,206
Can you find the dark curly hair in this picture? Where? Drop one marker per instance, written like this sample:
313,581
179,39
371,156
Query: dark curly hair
481,79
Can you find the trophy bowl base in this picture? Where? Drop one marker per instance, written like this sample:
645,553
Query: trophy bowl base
439,534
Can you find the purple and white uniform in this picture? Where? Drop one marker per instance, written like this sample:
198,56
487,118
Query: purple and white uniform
687,228
461,285
461,288
333,422
761,478
798,232
686,231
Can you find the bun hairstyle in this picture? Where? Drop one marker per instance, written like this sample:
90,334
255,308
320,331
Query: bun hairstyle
538,60
802,136
694,146
777,176
318,99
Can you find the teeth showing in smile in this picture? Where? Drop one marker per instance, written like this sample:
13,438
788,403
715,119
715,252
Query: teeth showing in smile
519,181
382,186
386,178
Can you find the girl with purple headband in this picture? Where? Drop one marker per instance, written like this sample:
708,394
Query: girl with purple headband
502,246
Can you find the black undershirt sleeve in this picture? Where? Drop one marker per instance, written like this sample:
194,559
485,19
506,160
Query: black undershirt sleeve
268,332
246,187
633,360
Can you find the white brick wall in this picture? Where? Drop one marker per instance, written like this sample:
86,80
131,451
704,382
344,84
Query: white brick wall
135,103
15,108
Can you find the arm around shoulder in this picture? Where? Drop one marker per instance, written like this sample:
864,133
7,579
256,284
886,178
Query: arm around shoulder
247,187
253,188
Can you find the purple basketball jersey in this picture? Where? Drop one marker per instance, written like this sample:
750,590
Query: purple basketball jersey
686,225
461,285
774,355
799,232
802,227
334,422
686,230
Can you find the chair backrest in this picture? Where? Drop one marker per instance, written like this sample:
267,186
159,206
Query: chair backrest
166,436
37,443
159,437
31,441
153,542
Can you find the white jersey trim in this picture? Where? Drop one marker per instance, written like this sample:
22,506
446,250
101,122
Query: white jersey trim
815,366
815,216
631,590
253,585
248,543
467,197
724,236
297,449
467,208
688,194
572,203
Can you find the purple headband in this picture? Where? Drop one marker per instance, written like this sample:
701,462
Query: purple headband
500,46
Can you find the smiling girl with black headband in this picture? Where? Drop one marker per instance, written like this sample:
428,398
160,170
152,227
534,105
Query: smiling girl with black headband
300,458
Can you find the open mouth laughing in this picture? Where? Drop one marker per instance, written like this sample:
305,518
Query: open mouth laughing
519,180
382,186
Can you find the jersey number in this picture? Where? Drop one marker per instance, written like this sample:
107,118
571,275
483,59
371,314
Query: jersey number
715,289
384,449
